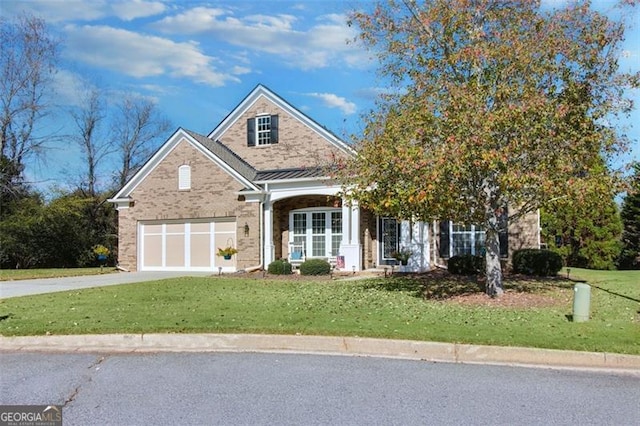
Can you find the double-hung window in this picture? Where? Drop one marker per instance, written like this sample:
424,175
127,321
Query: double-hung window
262,130
458,239
466,239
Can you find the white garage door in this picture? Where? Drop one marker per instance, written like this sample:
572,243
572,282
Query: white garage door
185,245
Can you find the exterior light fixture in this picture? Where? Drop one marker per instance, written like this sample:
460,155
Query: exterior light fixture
246,229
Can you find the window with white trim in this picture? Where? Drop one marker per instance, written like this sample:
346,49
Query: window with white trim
319,230
184,177
262,130
458,239
466,239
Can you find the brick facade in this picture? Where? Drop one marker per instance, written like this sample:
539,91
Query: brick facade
298,145
212,195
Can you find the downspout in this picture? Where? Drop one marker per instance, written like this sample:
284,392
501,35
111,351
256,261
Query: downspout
261,226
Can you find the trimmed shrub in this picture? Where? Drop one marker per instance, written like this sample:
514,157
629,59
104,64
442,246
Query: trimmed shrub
543,263
466,264
279,267
315,267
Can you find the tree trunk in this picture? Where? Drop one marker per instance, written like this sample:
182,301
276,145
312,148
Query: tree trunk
494,268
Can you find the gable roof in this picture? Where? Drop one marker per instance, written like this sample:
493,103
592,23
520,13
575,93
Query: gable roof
262,91
228,160
219,154
226,155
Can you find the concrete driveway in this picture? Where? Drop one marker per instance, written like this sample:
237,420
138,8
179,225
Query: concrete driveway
50,285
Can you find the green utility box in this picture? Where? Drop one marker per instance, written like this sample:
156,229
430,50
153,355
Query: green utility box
581,302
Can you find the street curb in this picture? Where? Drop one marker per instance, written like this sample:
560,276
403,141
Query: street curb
328,345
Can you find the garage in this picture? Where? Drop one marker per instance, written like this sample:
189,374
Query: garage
185,245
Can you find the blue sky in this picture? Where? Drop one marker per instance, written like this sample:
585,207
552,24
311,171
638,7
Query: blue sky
198,59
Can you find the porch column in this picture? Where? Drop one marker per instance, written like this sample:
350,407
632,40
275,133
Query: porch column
268,233
350,247
355,224
346,223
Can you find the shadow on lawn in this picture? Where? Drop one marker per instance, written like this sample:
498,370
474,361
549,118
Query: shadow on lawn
441,285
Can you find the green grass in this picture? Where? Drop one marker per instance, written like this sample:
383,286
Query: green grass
389,308
27,274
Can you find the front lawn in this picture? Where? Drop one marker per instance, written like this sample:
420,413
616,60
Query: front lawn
432,307
27,274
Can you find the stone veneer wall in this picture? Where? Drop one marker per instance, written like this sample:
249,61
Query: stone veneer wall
212,195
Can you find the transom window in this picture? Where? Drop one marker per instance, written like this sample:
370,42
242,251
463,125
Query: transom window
318,230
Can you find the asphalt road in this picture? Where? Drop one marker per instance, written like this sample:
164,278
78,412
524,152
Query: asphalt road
49,285
255,389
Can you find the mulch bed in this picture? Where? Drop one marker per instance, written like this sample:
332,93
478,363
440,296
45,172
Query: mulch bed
520,291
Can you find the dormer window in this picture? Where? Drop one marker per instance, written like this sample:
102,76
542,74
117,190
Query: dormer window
262,130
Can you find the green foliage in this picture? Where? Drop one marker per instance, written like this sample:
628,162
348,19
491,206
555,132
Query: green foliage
585,232
60,233
466,265
227,251
630,255
542,263
498,105
20,235
279,267
315,267
402,255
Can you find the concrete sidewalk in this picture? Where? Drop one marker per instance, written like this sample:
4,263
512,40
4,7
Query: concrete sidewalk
353,346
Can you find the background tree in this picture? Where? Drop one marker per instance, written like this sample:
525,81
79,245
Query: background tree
59,233
28,58
136,128
630,256
94,145
497,105
586,234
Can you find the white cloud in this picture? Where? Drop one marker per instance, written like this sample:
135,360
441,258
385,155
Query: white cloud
334,101
141,55
129,10
54,11
321,45
69,87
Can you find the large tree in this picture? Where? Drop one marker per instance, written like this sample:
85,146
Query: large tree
630,257
28,58
499,104
88,118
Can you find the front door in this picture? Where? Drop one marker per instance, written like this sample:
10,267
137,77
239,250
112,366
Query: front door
390,239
